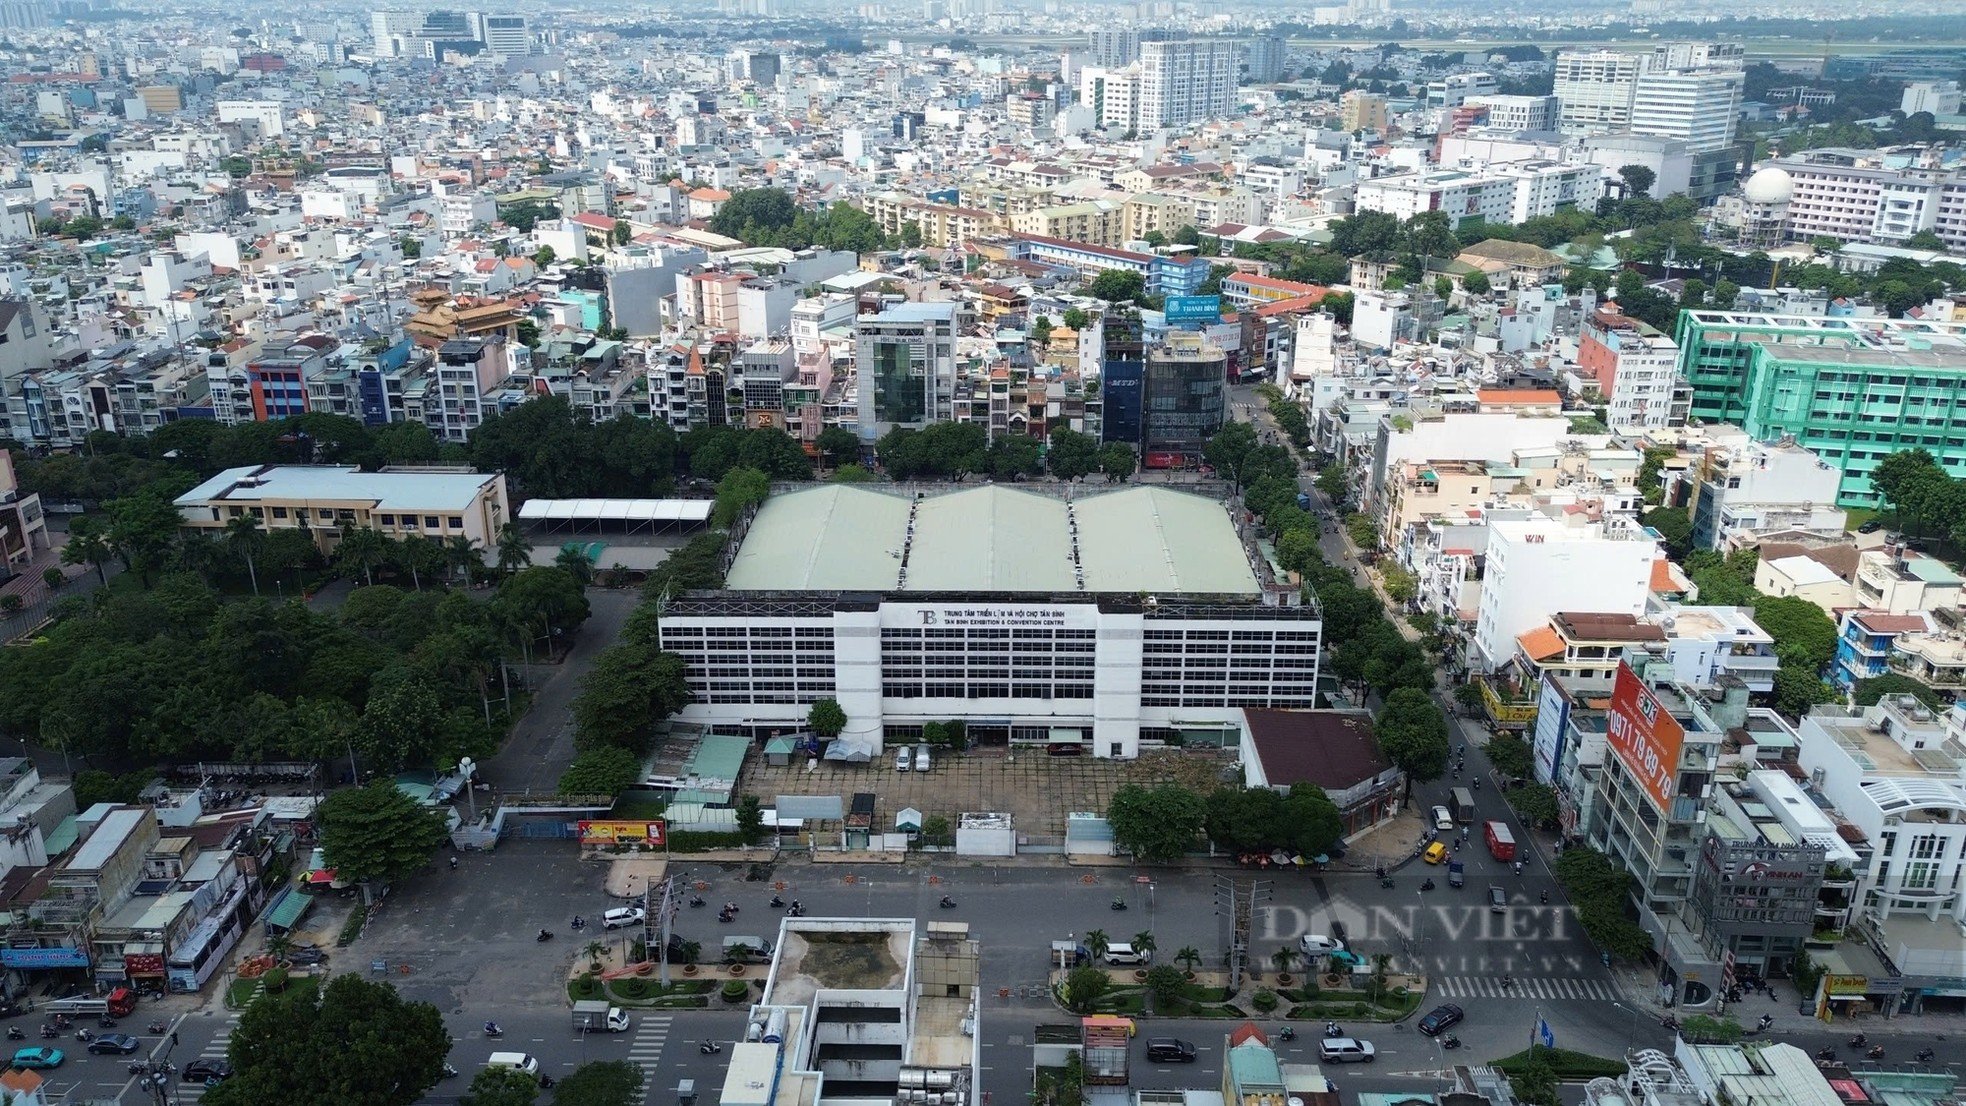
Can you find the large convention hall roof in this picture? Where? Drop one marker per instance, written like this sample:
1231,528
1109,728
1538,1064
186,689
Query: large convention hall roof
992,538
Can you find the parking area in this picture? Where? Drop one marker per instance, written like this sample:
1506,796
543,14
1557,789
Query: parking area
1035,789
467,937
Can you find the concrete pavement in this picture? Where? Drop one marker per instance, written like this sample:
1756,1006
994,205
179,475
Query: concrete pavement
541,744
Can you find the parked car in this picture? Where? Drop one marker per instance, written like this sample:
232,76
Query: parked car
1440,1019
115,1042
1870,526
1170,1050
305,955
1317,944
1443,818
904,759
38,1057
622,916
1345,1050
208,1072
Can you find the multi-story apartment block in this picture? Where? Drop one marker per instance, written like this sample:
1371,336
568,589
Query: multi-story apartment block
467,369
1519,113
1511,192
1112,47
1359,110
1539,566
1635,369
1895,776
1853,391
1758,487
1188,81
273,385
906,362
1690,91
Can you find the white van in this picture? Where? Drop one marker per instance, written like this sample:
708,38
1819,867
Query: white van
1127,954
1317,944
901,759
921,758
517,1060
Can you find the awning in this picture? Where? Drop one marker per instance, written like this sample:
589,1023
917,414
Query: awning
1062,735
616,510
287,910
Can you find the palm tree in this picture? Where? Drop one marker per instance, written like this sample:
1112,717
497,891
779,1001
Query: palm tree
243,535
1285,959
364,548
420,555
460,553
593,952
1188,957
577,564
1096,943
88,544
1143,943
514,553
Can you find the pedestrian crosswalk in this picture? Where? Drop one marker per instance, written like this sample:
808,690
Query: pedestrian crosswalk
214,1050
645,1048
1551,988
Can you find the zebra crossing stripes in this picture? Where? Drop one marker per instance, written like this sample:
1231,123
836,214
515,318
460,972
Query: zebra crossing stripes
1490,986
214,1050
645,1048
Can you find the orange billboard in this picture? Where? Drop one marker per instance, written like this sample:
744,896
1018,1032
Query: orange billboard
1645,736
647,834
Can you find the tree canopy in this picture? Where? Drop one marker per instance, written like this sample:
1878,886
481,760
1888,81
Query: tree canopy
348,1040
376,834
1154,824
1414,734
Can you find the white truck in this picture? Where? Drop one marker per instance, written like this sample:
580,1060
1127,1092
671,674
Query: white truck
596,1016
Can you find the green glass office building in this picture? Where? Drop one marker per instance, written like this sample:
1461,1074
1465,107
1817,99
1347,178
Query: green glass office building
1853,390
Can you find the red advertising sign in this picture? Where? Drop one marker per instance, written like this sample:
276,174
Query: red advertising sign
1644,736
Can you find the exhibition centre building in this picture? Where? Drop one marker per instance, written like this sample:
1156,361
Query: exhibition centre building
1083,618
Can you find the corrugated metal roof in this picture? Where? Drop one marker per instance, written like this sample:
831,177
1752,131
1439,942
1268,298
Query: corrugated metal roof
991,539
823,539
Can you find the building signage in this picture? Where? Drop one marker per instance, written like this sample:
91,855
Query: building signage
988,616
1644,736
1845,985
1192,309
44,958
622,833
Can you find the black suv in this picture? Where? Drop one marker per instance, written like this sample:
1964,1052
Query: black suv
1168,1050
1440,1018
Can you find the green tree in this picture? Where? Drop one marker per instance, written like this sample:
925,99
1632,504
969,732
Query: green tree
514,551
142,529
1804,635
623,233
1070,454
1158,824
88,543
1076,319
361,550
1476,283
1118,286
244,536
838,445
501,1087
1867,692
740,490
1638,179
1231,450
1675,525
1413,733
399,726
376,834
826,718
1469,698
631,687
601,1083
851,474
350,1040
602,770
1166,983
1118,461
1085,986
1797,689
750,819
1312,820
544,256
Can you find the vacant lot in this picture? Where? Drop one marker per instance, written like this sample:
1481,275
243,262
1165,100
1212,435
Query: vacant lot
1035,789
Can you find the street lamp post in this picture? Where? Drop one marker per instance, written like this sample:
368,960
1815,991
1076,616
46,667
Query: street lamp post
466,767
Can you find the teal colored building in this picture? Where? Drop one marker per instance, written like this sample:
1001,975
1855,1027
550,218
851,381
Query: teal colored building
1852,390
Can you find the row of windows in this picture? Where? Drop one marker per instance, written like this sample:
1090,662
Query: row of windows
910,690
1202,700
